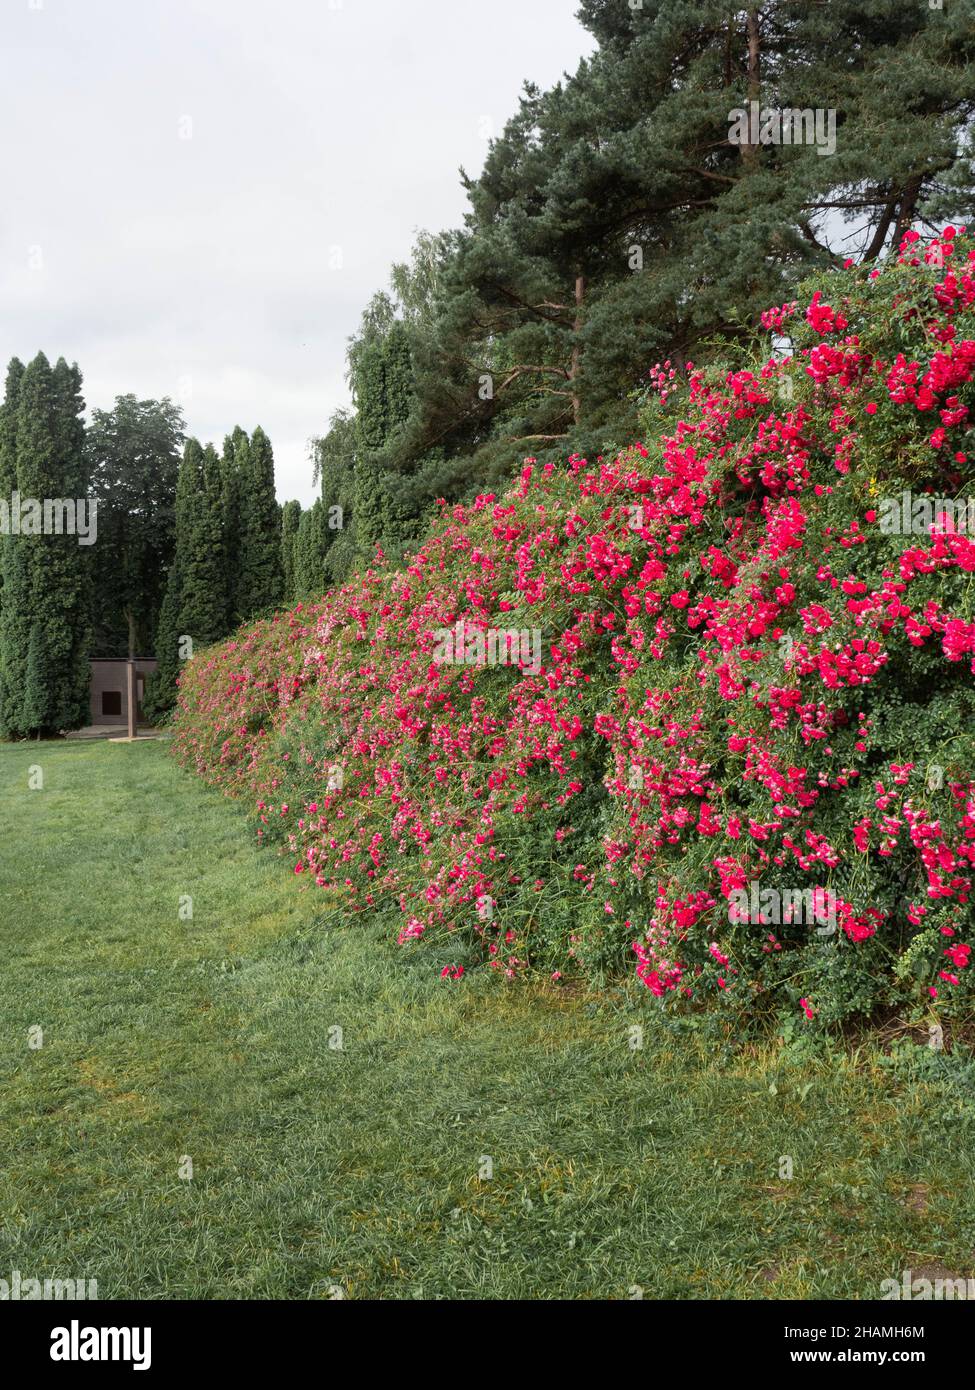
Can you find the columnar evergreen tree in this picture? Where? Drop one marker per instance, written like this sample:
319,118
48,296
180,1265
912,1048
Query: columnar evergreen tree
234,467
14,570
8,451
45,630
203,604
304,553
260,531
195,605
381,377
309,553
161,686
334,456
133,451
290,521
228,562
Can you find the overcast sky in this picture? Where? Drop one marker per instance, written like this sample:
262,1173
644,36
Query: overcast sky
178,173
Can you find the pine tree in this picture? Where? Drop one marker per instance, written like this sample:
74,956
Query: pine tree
616,223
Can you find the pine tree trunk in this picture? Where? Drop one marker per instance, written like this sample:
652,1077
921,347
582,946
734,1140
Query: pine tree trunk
907,208
879,238
580,295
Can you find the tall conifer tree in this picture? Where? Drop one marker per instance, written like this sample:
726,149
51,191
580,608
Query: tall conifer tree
203,606
8,453
133,451
290,521
195,605
45,631
260,531
234,465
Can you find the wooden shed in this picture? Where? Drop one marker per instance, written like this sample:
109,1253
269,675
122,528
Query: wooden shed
109,689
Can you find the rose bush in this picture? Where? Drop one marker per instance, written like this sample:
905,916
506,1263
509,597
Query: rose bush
743,761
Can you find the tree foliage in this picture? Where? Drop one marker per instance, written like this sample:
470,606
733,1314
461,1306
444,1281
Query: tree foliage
133,457
45,628
616,224
259,585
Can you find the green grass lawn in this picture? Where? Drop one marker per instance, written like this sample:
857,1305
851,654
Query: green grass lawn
358,1168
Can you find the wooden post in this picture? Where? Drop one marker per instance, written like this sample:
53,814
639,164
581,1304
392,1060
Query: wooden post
130,692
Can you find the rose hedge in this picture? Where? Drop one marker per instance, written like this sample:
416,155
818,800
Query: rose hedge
744,760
